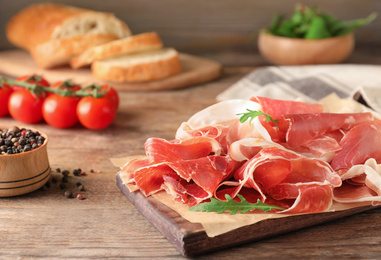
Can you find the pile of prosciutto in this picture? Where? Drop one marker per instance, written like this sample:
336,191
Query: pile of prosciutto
303,163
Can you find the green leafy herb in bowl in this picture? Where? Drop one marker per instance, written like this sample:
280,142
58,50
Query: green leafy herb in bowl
311,23
309,36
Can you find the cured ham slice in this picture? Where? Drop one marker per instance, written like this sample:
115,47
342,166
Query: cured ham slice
128,170
284,175
247,148
224,115
203,175
302,128
161,150
359,144
276,108
362,182
312,199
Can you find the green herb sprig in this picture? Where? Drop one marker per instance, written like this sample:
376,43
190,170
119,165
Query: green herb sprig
253,114
233,206
311,23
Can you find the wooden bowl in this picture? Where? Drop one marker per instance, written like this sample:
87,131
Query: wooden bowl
24,172
291,51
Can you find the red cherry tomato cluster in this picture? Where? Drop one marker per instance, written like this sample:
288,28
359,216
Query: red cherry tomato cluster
31,99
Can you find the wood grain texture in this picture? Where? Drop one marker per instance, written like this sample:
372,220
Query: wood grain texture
47,225
190,239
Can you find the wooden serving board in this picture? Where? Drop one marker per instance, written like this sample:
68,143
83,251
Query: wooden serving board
190,239
195,70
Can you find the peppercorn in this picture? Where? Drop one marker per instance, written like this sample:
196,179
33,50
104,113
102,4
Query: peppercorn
68,194
80,196
77,172
15,140
65,173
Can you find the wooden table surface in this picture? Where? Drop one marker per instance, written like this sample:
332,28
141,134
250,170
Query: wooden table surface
47,225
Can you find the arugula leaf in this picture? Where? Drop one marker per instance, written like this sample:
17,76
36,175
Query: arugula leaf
352,25
317,29
233,206
253,114
276,21
310,23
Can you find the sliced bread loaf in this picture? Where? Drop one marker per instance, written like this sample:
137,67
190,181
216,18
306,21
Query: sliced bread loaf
54,33
42,22
131,44
138,67
59,51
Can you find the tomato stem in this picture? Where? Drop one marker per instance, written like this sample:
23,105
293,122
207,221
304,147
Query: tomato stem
93,90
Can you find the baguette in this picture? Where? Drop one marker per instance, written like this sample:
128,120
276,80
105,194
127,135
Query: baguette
136,43
138,67
59,51
43,22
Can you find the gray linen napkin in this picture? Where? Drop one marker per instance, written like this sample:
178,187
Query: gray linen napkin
311,83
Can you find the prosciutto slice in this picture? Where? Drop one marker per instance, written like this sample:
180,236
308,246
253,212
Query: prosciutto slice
284,175
298,129
161,150
276,108
362,182
225,117
359,144
207,173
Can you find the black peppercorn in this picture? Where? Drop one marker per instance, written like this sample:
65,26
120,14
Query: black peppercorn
68,194
65,173
81,188
15,140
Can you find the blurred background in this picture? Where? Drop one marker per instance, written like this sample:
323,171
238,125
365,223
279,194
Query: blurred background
223,30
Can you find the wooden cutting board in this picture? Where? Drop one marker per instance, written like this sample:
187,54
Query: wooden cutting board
195,70
190,239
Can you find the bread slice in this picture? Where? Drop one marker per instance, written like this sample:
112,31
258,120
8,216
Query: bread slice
138,67
136,43
59,51
43,22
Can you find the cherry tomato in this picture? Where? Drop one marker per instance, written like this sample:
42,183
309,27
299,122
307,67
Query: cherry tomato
25,106
67,84
95,113
32,79
5,93
60,111
112,94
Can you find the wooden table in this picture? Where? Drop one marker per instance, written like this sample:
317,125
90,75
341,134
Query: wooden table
47,225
